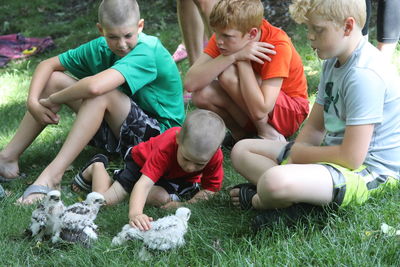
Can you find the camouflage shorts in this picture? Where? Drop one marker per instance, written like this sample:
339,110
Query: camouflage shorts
136,128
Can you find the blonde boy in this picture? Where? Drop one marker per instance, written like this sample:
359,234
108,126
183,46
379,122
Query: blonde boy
254,93
148,99
350,145
165,170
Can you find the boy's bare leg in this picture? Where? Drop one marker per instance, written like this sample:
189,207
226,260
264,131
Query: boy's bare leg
115,194
192,28
253,157
113,106
282,186
265,130
229,82
205,7
158,196
97,174
29,129
214,98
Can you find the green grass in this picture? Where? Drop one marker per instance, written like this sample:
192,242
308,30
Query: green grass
218,235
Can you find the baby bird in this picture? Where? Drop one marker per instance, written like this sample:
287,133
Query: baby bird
46,215
77,221
165,233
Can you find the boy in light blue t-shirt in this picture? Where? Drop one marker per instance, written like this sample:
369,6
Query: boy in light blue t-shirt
148,100
350,146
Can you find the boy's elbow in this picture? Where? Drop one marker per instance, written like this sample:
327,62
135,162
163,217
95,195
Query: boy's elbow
189,84
352,161
354,164
93,88
259,114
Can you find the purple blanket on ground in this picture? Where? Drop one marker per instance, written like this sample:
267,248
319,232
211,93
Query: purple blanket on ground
17,46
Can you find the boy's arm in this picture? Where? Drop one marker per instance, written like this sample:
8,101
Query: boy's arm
350,154
87,87
259,100
41,76
201,195
137,201
313,131
206,68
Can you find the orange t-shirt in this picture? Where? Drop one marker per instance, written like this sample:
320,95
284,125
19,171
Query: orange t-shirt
285,64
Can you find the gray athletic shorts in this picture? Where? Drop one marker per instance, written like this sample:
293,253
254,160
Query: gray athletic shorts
136,128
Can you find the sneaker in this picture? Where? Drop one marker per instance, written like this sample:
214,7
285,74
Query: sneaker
289,216
180,53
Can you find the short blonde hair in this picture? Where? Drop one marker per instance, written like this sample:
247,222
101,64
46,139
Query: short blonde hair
202,133
334,10
118,12
241,15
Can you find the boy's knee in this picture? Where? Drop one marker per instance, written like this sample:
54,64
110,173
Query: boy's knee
97,166
158,199
58,80
239,151
228,79
275,184
200,99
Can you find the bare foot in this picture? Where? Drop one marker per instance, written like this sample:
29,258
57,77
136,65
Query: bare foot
234,193
8,169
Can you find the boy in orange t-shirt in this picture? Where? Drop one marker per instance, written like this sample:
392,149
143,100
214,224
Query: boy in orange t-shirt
250,74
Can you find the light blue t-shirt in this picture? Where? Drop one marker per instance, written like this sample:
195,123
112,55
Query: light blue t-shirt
365,90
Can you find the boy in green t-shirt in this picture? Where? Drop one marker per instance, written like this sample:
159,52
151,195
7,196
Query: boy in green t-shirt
148,100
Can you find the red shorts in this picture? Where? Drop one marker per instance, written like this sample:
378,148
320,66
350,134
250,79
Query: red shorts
287,115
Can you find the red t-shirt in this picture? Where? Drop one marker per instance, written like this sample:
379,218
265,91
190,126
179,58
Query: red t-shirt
285,64
158,159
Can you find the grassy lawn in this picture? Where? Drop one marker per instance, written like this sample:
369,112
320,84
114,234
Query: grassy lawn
218,234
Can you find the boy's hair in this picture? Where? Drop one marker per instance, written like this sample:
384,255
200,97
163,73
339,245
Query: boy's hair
202,133
334,10
118,12
241,15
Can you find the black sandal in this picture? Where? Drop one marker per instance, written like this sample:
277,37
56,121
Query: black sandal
80,182
246,194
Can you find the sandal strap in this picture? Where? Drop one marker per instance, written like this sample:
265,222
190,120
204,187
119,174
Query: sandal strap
82,183
79,181
246,194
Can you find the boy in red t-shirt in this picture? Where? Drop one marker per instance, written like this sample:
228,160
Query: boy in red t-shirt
254,93
165,170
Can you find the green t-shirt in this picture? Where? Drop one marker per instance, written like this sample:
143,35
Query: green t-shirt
152,78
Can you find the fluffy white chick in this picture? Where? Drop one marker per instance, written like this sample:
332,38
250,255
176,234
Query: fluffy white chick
165,233
46,215
77,221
